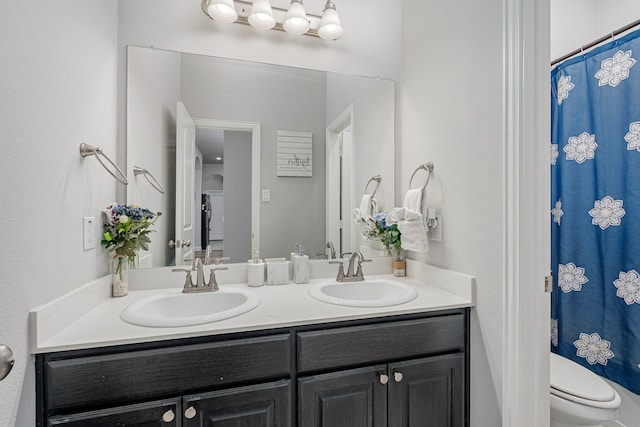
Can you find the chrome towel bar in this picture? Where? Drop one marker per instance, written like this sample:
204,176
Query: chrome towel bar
426,167
89,150
137,170
377,180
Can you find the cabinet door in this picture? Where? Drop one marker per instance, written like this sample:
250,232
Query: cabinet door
427,392
352,398
165,413
263,405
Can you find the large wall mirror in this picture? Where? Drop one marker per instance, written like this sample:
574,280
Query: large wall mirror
254,156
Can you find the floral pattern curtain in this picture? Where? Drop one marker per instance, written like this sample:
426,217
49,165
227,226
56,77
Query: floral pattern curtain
595,215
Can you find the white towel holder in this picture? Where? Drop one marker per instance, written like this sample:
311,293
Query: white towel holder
425,166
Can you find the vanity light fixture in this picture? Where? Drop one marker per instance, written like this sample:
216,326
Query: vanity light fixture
330,26
221,10
296,21
261,15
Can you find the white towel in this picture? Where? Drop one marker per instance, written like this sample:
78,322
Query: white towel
415,200
412,228
367,206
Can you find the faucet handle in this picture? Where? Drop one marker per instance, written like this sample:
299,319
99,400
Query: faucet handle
340,276
187,280
213,283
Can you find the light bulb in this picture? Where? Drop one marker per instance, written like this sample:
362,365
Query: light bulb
330,27
261,16
222,11
296,21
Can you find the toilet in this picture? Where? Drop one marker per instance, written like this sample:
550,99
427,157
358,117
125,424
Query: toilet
579,397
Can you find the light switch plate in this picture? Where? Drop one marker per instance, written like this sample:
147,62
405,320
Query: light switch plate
88,232
266,195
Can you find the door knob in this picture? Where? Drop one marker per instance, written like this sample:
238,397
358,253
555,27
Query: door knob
6,361
168,416
179,243
190,412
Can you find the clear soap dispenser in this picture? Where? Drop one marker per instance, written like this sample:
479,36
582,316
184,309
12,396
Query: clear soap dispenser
300,265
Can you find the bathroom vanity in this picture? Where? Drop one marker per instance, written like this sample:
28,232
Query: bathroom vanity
406,365
395,371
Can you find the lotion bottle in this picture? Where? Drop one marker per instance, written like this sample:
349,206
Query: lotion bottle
300,266
255,270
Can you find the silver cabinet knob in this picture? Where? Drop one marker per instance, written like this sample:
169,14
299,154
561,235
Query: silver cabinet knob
397,376
6,361
168,416
384,378
190,412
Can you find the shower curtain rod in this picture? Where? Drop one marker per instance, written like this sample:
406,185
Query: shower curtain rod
596,42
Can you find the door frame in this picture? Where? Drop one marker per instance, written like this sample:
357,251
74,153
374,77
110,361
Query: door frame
254,128
526,331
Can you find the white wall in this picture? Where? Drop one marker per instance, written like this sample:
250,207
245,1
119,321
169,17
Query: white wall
575,23
58,89
451,93
153,90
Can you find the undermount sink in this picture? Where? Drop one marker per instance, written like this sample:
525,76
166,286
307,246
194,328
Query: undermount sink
179,309
366,293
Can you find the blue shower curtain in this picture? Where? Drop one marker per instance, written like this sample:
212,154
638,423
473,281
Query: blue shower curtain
595,210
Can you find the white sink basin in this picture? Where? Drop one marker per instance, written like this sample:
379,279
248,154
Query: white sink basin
367,293
179,309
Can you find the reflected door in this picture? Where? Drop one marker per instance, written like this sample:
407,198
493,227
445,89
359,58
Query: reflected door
185,184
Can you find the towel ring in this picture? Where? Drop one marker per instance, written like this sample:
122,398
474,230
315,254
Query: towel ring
89,150
425,166
377,180
137,170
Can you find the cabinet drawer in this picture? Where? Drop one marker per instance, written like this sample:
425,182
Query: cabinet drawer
357,345
144,374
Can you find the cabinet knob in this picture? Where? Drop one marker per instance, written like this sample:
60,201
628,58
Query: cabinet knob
190,412
168,416
397,376
384,378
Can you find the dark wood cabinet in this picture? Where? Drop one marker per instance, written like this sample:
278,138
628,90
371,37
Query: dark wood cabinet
353,398
415,393
164,413
399,371
263,405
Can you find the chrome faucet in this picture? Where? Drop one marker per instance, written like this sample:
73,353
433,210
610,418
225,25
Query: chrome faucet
200,285
350,276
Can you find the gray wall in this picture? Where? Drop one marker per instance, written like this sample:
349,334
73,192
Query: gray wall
237,192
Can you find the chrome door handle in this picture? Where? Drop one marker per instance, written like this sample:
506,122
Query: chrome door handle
179,243
6,361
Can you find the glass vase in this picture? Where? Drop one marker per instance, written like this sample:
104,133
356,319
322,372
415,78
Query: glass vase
119,276
398,263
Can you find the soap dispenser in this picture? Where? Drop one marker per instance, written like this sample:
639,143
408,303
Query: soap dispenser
255,270
300,266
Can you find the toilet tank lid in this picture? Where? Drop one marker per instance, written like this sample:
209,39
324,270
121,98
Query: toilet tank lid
573,379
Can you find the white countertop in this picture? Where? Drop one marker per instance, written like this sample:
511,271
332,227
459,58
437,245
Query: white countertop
88,317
